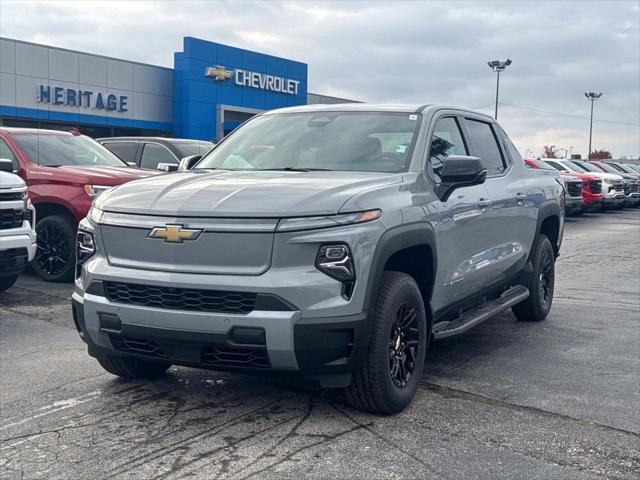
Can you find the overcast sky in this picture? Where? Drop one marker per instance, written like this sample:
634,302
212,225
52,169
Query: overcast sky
424,52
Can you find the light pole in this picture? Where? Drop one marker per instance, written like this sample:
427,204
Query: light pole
498,66
592,97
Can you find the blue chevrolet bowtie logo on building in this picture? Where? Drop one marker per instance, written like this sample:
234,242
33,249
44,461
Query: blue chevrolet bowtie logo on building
218,73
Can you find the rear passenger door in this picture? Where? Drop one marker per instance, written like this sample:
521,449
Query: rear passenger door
155,153
507,223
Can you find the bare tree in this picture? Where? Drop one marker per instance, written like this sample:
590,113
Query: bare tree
550,151
600,155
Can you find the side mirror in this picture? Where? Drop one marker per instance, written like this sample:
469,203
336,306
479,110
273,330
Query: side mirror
167,167
6,165
459,171
132,164
188,162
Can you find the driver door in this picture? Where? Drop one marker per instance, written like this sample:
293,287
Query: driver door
459,224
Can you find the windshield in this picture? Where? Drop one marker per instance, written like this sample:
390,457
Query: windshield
186,149
542,165
608,168
347,141
586,167
557,166
51,150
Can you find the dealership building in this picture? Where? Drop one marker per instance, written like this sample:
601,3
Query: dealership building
210,90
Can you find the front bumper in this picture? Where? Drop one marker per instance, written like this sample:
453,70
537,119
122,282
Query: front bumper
572,205
17,248
616,200
632,199
328,349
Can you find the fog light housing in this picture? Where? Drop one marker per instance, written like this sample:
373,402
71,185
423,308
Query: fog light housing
336,262
85,246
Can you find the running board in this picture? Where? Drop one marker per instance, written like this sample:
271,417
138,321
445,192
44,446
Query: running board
470,319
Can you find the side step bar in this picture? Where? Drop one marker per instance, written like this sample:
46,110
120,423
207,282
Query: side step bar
470,319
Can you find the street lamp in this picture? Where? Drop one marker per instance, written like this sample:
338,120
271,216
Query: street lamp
592,97
498,66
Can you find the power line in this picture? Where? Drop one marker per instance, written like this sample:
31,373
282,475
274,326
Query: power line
566,115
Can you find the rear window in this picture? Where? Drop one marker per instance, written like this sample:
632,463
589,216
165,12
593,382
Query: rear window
51,150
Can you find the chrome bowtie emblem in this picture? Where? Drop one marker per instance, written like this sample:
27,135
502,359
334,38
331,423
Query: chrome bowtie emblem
174,233
218,73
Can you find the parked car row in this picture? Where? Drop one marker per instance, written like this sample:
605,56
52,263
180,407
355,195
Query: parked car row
594,185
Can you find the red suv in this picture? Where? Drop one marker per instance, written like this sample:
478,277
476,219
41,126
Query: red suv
591,184
64,171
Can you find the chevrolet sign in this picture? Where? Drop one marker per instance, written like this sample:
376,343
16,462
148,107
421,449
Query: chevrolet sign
261,81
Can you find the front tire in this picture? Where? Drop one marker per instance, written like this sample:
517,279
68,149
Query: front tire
7,282
55,257
392,366
541,284
132,368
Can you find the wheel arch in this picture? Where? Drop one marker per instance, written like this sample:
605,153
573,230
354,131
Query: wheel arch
550,224
46,209
408,249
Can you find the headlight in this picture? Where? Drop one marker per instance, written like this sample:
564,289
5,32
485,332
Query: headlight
85,246
311,223
335,261
95,215
95,190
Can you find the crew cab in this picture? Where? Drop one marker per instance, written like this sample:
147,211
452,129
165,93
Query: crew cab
17,236
157,153
64,172
591,185
328,241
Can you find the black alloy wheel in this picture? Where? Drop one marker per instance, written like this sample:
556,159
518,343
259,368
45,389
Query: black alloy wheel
403,345
55,256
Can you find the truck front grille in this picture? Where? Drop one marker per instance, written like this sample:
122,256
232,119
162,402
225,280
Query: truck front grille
13,257
10,219
595,186
235,357
180,298
10,196
574,189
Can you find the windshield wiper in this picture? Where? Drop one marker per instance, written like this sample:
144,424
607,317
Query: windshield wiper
296,169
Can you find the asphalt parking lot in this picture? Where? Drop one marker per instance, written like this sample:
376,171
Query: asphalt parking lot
560,399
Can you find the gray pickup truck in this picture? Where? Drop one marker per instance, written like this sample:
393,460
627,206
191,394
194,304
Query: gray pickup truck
333,242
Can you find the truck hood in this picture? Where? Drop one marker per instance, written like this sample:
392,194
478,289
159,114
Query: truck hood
104,175
10,180
606,176
242,193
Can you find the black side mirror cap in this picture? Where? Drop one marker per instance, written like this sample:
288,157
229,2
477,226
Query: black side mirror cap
459,171
6,165
187,163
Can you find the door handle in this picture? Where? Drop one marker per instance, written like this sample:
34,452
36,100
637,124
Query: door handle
484,203
521,198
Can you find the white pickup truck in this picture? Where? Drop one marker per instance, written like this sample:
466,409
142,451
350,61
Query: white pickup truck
17,236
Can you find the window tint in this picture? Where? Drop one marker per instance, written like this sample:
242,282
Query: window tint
153,154
485,146
446,140
6,153
124,150
557,166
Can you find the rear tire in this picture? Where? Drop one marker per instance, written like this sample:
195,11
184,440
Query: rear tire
55,257
541,283
133,368
7,282
392,365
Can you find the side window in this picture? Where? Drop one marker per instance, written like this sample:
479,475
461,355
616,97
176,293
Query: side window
446,140
485,145
5,152
153,154
125,151
513,151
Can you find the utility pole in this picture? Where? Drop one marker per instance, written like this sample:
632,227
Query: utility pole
592,97
498,66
